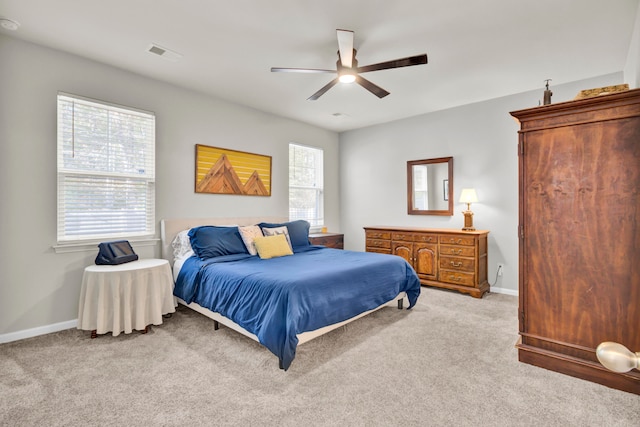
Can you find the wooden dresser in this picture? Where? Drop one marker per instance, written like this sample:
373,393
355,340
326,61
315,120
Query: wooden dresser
444,258
330,240
579,233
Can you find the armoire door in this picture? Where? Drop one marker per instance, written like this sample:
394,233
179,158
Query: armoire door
580,234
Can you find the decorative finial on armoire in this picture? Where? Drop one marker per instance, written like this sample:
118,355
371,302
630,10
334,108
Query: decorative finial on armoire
547,93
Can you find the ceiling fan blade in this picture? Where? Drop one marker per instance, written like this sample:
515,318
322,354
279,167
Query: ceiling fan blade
345,47
396,63
374,89
325,88
300,70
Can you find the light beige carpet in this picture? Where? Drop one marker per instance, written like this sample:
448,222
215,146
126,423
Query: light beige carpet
450,361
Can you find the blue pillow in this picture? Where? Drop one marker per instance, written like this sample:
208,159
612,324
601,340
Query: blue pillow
298,232
210,241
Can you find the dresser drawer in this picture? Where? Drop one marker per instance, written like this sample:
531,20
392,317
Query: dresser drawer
458,278
402,237
457,240
378,250
380,244
458,264
469,251
375,234
330,240
426,238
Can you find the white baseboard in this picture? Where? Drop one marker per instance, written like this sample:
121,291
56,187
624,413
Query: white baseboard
41,330
504,291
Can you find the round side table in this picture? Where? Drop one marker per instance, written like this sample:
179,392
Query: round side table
121,298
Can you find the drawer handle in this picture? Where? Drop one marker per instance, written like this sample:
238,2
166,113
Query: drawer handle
456,264
459,251
457,279
454,241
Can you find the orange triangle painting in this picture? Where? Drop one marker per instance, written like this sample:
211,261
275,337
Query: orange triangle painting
222,171
255,186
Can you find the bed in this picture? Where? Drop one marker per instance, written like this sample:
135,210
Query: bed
284,300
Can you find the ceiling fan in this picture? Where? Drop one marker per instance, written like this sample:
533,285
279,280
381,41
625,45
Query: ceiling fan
348,70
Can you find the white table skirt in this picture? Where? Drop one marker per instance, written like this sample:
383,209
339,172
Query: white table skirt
121,298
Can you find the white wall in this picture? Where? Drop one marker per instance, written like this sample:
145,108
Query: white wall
482,138
365,174
632,66
38,287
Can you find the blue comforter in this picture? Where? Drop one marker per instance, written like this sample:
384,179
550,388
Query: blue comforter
278,298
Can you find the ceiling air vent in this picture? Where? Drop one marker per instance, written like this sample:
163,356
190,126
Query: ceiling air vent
163,52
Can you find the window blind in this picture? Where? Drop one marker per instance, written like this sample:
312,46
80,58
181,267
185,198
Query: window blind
106,170
306,184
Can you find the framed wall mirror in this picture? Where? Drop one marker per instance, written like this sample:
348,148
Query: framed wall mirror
430,186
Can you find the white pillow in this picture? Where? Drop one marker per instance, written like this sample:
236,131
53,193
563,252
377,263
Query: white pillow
178,262
277,230
248,234
181,244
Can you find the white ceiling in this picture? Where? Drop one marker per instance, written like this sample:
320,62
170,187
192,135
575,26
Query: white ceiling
477,49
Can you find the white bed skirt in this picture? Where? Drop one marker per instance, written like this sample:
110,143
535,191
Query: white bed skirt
303,337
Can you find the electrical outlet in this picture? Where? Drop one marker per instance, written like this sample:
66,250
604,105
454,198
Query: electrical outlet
500,269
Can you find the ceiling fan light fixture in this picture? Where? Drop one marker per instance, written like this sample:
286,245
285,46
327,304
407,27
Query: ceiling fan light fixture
349,72
347,78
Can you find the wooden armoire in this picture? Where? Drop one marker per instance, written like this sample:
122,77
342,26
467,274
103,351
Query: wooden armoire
579,234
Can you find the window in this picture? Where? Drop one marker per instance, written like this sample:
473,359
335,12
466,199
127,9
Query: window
106,176
420,188
306,182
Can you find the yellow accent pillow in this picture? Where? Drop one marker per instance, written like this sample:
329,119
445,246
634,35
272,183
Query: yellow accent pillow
272,246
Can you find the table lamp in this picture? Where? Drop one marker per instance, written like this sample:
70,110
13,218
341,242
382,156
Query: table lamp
468,196
616,357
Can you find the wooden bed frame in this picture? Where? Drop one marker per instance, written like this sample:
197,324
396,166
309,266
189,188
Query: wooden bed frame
169,228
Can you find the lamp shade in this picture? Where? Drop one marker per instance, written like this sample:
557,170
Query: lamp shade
616,357
468,195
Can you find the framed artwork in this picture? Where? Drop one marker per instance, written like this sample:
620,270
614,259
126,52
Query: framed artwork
445,189
224,171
